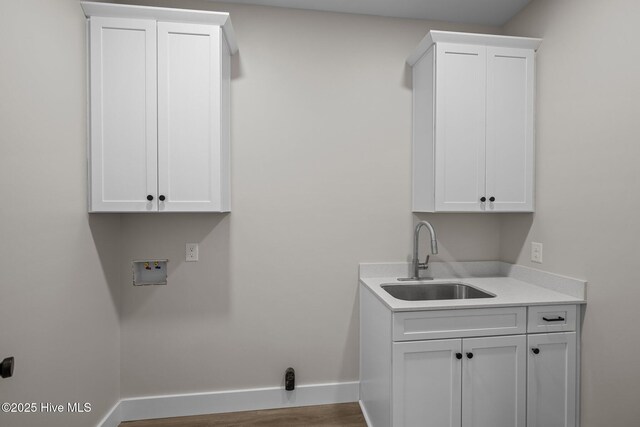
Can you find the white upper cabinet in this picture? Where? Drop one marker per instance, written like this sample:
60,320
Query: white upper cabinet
190,136
460,126
123,119
473,148
509,140
159,109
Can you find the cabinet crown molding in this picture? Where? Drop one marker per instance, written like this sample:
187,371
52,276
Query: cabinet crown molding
433,37
110,10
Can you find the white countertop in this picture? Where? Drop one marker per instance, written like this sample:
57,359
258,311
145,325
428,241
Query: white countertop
509,291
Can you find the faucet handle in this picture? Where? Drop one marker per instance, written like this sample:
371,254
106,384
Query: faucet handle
425,265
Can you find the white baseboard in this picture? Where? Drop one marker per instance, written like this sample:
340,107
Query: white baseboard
365,414
179,405
113,417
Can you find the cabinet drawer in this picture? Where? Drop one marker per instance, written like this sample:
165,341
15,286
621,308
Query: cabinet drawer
552,318
424,325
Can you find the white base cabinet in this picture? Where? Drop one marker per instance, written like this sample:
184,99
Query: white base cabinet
551,383
501,379
471,382
159,109
427,383
494,381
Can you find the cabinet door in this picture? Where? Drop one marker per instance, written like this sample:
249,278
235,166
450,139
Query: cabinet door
189,108
510,150
123,165
426,383
460,127
551,380
493,381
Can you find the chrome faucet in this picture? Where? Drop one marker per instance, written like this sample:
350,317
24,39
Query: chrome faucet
416,265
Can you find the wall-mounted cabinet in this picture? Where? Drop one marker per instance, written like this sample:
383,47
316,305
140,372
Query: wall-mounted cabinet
159,109
473,109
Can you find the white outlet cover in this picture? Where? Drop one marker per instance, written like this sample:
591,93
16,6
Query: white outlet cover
536,252
191,252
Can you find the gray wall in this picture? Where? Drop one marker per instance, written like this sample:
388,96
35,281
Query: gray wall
320,182
59,278
321,154
588,180
321,150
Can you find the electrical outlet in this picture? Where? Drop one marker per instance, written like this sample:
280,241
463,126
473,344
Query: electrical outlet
191,252
536,252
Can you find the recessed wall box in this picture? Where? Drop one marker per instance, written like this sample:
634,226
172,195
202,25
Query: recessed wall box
150,272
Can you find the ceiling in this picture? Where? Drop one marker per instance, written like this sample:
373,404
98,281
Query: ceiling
483,12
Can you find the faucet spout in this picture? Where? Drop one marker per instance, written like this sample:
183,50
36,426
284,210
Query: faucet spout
432,234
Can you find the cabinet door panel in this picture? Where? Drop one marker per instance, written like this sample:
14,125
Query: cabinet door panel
551,380
493,382
509,142
460,126
123,115
189,100
426,384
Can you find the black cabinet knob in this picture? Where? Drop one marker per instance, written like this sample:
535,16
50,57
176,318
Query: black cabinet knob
492,199
483,199
149,197
469,355
535,350
6,369
161,198
458,356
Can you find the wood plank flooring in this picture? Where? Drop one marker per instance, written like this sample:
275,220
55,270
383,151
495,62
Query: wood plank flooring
342,414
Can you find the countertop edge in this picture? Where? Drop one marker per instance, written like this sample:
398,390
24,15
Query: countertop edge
510,291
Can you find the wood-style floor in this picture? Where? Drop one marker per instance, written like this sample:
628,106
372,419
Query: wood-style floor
342,414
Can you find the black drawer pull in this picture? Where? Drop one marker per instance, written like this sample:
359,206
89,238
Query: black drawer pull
557,319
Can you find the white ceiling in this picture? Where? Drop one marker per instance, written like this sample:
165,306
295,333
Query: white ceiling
484,12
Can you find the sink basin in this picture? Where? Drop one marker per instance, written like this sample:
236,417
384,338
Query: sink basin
434,291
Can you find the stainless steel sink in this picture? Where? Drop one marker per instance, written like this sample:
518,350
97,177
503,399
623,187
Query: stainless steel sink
434,291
